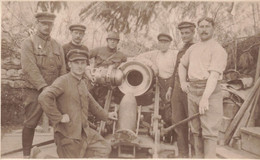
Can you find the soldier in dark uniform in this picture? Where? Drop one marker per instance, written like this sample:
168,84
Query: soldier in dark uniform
67,103
104,57
179,98
77,33
42,61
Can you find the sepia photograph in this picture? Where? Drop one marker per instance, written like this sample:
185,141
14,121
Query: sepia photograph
130,79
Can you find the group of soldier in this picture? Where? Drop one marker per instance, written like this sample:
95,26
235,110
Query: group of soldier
189,83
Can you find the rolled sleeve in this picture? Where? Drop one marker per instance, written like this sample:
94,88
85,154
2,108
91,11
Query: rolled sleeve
218,60
29,66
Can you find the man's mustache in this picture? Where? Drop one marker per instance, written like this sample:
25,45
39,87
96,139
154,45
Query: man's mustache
204,33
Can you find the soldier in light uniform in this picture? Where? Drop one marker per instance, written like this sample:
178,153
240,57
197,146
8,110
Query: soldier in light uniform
67,103
200,71
163,62
42,61
179,98
77,33
105,57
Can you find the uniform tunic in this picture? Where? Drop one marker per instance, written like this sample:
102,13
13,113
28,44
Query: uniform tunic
69,46
42,61
105,56
200,59
69,95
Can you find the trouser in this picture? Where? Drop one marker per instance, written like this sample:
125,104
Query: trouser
206,127
91,145
165,106
33,113
179,112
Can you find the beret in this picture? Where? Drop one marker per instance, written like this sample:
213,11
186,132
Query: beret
77,54
45,17
77,27
164,37
185,24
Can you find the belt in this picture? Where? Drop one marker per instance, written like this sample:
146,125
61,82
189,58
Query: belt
199,83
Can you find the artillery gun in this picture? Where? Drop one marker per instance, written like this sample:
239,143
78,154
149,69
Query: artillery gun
136,134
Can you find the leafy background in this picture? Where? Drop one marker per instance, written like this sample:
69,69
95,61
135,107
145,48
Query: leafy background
237,29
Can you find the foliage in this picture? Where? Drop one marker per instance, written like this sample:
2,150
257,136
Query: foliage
11,106
51,6
121,16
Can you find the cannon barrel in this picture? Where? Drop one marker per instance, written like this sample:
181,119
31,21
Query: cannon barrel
137,78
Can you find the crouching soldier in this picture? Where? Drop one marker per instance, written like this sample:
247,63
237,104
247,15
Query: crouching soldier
67,103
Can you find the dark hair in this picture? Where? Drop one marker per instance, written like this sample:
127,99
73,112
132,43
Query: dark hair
210,20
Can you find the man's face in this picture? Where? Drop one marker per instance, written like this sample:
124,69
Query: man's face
77,36
112,43
45,27
205,30
77,67
164,45
187,34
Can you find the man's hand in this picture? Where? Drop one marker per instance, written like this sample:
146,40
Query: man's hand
112,115
185,87
65,118
168,94
203,105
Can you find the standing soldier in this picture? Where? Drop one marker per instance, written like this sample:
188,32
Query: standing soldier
77,33
67,103
179,98
204,63
163,64
42,61
105,57
108,55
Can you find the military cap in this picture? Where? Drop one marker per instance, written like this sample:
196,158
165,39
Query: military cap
77,54
186,24
113,35
164,37
77,27
45,17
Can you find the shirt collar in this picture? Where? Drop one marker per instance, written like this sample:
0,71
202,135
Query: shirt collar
42,36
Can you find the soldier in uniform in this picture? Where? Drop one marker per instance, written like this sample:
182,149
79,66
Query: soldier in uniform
105,57
67,103
77,33
203,65
179,98
42,61
162,61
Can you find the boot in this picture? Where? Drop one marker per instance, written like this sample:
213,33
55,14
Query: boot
210,148
198,146
27,140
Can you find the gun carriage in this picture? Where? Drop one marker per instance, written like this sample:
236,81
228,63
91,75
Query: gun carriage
136,134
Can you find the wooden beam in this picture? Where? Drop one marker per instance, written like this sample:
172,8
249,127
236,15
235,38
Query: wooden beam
241,112
257,74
